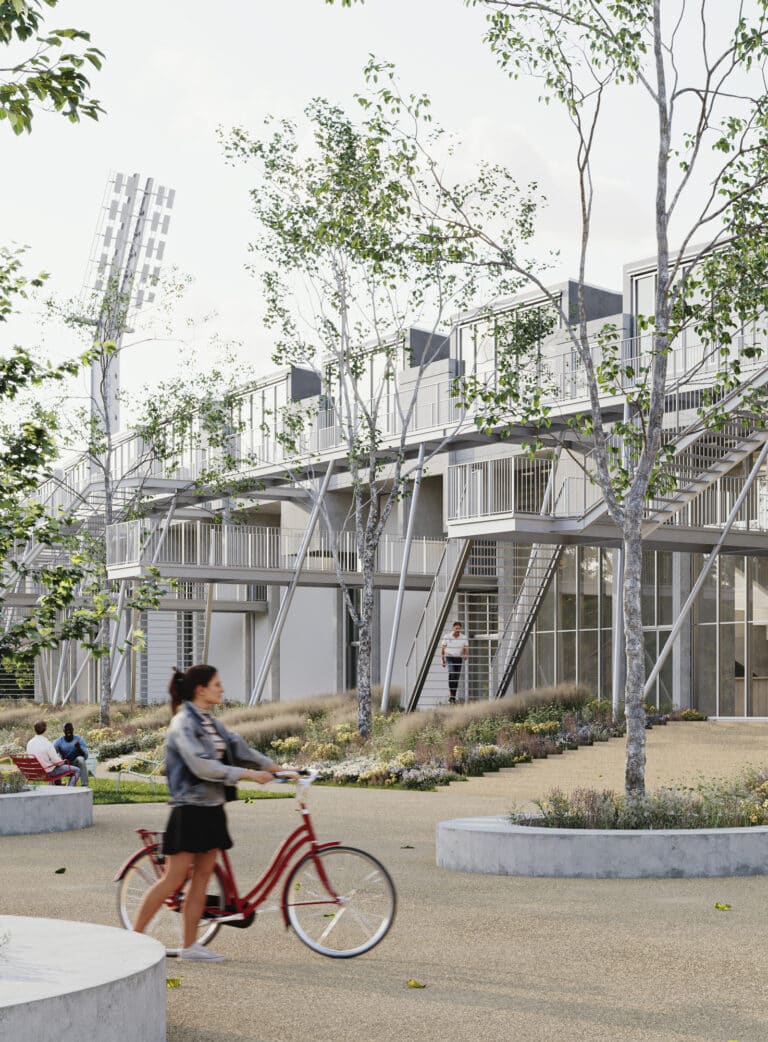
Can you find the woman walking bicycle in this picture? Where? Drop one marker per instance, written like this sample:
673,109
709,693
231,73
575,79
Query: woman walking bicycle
204,762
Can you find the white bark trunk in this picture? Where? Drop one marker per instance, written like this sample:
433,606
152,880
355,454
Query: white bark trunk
365,647
634,776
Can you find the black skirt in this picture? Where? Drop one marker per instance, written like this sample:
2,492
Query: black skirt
194,830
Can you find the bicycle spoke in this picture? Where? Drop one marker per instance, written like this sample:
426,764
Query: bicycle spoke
354,921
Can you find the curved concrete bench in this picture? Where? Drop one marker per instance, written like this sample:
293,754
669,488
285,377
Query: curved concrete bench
72,982
45,808
495,847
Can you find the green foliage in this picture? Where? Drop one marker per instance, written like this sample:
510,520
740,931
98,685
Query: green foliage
12,781
735,803
49,75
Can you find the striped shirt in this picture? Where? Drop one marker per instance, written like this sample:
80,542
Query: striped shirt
218,742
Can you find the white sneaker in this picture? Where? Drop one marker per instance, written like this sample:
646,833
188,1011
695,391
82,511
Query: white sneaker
199,953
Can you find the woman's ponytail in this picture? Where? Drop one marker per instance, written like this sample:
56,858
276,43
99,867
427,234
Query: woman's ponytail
183,685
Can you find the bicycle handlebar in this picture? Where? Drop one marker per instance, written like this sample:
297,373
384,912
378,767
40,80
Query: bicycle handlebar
305,777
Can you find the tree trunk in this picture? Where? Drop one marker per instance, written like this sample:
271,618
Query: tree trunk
634,778
364,656
105,688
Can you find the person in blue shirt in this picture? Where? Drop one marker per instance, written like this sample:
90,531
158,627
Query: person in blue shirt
73,749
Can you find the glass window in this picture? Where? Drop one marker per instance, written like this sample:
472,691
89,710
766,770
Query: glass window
545,660
760,591
588,660
606,647
524,671
567,589
590,585
731,669
566,657
546,618
727,576
706,602
648,589
606,559
705,669
664,562
644,302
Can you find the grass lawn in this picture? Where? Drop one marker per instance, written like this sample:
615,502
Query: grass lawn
141,792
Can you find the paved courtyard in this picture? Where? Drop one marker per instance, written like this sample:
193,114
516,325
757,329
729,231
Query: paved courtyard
502,958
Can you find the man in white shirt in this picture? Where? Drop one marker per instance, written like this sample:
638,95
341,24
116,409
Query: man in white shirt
453,651
46,754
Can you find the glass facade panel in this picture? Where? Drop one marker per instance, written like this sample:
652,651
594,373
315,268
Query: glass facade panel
545,660
606,664
727,576
589,602
644,302
648,590
567,589
524,672
705,668
706,602
729,667
665,583
760,591
589,660
566,657
546,618
606,565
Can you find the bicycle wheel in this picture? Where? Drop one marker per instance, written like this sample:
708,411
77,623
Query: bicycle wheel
352,923
167,925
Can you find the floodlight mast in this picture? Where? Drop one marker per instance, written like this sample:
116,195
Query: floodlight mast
132,228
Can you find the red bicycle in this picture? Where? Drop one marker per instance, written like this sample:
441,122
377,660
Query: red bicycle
340,901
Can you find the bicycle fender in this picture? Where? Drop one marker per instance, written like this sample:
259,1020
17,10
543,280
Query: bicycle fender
284,898
127,864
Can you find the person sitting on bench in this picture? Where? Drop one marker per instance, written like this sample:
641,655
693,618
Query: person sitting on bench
47,756
72,748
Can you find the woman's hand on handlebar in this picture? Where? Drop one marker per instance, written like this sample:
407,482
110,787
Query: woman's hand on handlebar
262,777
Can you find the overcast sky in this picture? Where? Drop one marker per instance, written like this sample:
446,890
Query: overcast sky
178,69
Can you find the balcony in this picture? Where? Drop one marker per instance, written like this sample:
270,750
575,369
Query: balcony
198,551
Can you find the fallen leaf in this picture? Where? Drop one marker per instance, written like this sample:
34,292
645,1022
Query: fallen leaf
414,984
722,907
59,871
173,982
406,846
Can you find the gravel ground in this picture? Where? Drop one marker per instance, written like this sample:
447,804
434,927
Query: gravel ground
502,958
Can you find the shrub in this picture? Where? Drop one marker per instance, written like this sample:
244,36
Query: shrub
730,804
12,781
287,746
687,714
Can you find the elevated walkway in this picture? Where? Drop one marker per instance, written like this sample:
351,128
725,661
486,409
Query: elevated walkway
197,551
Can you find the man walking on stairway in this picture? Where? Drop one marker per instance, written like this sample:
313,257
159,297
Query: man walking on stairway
453,651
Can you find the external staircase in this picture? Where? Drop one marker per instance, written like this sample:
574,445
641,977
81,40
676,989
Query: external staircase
530,588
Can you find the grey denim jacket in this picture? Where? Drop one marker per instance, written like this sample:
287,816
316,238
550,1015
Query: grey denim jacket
195,775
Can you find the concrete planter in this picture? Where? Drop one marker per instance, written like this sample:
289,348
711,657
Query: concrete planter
493,846
71,982
45,808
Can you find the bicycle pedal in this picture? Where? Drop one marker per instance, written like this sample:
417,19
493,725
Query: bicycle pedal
240,924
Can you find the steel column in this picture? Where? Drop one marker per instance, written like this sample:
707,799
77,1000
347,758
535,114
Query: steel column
277,629
401,584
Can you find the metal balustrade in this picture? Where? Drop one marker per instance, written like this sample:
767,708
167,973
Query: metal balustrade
559,373
251,547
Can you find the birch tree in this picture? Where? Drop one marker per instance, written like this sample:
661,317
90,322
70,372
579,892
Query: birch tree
350,257
699,68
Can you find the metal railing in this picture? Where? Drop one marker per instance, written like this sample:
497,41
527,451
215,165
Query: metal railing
202,545
558,373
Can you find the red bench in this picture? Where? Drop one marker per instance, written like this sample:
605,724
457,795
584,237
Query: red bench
34,771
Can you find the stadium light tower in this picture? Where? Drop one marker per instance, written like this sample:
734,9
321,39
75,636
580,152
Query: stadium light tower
122,274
